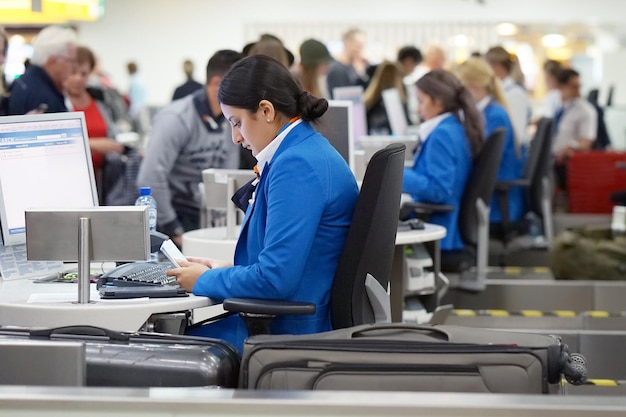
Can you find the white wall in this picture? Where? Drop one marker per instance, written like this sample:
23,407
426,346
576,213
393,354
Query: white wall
160,34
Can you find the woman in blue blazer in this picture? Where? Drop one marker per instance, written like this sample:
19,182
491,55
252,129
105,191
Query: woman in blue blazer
479,78
450,134
297,219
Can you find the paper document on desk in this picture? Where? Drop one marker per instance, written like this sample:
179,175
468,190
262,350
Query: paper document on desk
14,265
56,297
72,297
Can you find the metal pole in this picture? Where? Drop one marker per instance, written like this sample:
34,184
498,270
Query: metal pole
231,213
83,260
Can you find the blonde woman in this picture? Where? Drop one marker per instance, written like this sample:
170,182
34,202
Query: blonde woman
387,75
507,69
477,75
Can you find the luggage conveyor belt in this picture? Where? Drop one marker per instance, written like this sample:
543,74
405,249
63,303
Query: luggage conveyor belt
600,336
588,315
601,387
603,351
542,295
535,319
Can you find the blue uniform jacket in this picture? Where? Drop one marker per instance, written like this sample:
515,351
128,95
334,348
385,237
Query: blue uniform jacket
511,165
33,88
291,237
439,175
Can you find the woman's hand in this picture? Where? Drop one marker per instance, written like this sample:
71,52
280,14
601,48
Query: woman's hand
191,269
187,274
210,263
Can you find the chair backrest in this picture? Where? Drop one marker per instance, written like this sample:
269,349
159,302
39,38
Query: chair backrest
540,151
481,184
370,241
532,159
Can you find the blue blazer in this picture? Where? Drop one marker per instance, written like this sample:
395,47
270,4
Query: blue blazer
511,165
439,175
291,237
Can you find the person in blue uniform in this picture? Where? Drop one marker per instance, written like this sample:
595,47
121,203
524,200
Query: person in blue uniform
450,134
478,76
297,219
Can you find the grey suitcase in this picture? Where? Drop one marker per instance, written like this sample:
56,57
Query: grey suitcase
115,359
404,357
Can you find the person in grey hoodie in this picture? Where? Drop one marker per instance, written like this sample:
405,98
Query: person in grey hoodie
188,136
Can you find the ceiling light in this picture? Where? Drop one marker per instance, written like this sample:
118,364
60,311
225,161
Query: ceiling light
506,29
553,40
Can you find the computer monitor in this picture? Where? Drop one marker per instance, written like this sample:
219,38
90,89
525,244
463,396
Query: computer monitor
395,111
355,94
45,161
336,126
219,187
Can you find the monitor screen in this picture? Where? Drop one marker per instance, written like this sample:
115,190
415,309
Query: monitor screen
395,111
219,187
354,93
45,162
336,126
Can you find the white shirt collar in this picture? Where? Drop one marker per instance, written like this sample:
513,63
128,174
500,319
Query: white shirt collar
266,155
483,102
426,128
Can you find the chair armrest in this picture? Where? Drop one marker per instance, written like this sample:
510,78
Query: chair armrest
507,185
423,208
268,307
258,313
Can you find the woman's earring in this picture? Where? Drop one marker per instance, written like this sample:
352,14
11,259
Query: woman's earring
268,120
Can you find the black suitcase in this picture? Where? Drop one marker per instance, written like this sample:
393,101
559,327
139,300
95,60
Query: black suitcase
404,357
115,359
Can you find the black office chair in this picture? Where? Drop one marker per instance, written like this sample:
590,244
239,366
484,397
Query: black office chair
536,182
474,208
358,294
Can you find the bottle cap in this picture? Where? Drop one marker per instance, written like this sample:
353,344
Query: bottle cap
144,191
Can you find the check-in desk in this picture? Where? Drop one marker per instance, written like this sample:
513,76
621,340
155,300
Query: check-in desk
430,233
213,243
25,303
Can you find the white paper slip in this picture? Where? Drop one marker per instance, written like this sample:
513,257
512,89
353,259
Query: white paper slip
70,297
56,297
170,250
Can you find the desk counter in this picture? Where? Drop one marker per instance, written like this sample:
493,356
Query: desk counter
431,232
53,305
213,243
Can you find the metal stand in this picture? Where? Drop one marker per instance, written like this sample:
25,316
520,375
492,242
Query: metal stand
231,212
84,264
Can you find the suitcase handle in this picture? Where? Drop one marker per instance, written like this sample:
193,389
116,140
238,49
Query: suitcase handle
360,330
81,331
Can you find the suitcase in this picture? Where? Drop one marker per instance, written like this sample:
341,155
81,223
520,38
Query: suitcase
592,193
115,359
404,357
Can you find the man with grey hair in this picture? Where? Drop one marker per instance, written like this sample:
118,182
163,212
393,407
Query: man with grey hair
53,60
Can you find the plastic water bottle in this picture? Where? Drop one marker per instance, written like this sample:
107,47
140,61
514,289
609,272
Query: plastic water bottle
145,199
